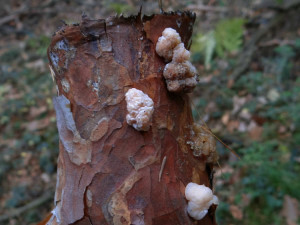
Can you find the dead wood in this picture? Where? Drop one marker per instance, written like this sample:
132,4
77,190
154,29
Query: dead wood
108,172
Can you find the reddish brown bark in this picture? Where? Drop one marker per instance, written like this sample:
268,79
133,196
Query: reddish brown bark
108,172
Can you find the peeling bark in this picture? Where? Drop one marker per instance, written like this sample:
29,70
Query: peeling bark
108,172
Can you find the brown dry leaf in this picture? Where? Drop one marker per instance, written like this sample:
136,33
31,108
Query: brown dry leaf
290,210
223,169
206,79
36,124
282,129
225,118
36,111
37,64
255,131
211,107
233,125
230,83
238,102
246,200
236,212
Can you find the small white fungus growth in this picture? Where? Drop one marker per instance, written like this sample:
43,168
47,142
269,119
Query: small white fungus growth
200,199
180,74
180,54
167,42
140,109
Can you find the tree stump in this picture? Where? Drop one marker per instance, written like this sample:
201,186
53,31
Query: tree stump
109,172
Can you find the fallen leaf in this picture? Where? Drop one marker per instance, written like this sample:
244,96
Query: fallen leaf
282,129
236,212
290,210
36,124
259,120
255,131
211,107
245,114
37,64
36,111
233,125
225,118
238,103
206,79
230,83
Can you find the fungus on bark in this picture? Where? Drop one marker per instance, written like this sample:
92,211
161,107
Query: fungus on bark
203,143
108,173
180,74
140,109
200,199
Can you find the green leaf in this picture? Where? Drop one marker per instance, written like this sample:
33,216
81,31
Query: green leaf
120,7
228,35
205,43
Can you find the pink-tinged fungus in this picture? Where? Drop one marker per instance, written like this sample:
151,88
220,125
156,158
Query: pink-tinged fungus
180,74
140,109
167,42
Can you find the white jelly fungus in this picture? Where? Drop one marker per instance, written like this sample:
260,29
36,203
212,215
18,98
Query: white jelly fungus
200,199
180,54
180,74
140,109
167,42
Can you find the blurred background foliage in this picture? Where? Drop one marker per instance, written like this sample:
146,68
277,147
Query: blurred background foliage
247,54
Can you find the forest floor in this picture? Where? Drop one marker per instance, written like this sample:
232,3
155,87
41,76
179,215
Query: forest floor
248,57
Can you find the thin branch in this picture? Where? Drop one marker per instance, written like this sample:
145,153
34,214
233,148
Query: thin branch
35,203
25,10
250,47
277,42
162,168
206,8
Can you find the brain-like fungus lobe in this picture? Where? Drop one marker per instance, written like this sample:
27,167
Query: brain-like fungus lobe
167,42
200,199
140,109
203,143
180,74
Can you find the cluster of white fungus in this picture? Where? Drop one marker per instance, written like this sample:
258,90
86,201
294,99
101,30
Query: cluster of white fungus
180,74
200,199
167,42
140,109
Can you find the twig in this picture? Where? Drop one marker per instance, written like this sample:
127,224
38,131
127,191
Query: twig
23,10
276,42
16,212
162,168
283,6
13,15
249,49
206,8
